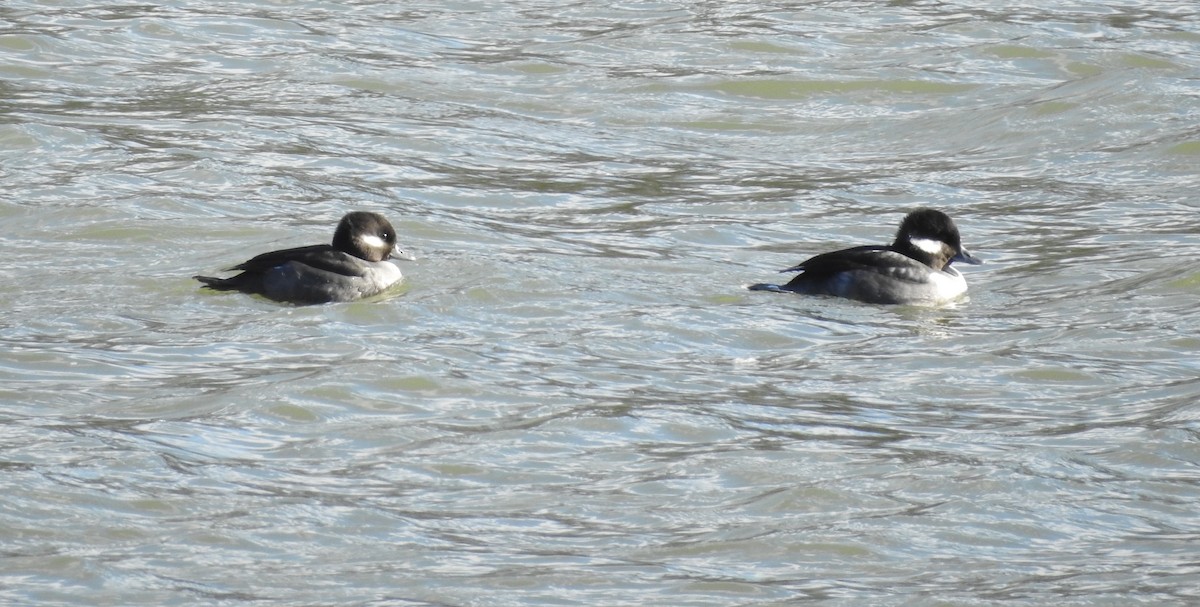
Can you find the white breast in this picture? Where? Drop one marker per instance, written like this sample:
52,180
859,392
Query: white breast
382,275
948,284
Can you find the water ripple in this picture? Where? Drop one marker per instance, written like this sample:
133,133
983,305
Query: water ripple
574,400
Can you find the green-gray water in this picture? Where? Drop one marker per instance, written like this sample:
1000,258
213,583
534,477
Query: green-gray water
574,400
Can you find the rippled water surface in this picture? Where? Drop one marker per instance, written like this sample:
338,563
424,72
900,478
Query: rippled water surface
573,400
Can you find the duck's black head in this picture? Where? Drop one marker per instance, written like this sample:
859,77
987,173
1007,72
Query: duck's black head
365,235
930,236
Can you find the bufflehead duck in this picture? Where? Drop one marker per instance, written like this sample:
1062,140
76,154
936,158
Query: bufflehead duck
915,269
354,266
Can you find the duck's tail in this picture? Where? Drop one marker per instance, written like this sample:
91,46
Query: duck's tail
218,284
764,286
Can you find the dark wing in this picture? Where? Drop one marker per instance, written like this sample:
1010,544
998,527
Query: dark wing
321,257
846,260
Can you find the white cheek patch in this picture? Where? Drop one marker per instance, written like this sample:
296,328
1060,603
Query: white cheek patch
373,241
929,245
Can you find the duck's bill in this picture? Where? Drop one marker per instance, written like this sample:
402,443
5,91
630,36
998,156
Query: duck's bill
965,256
